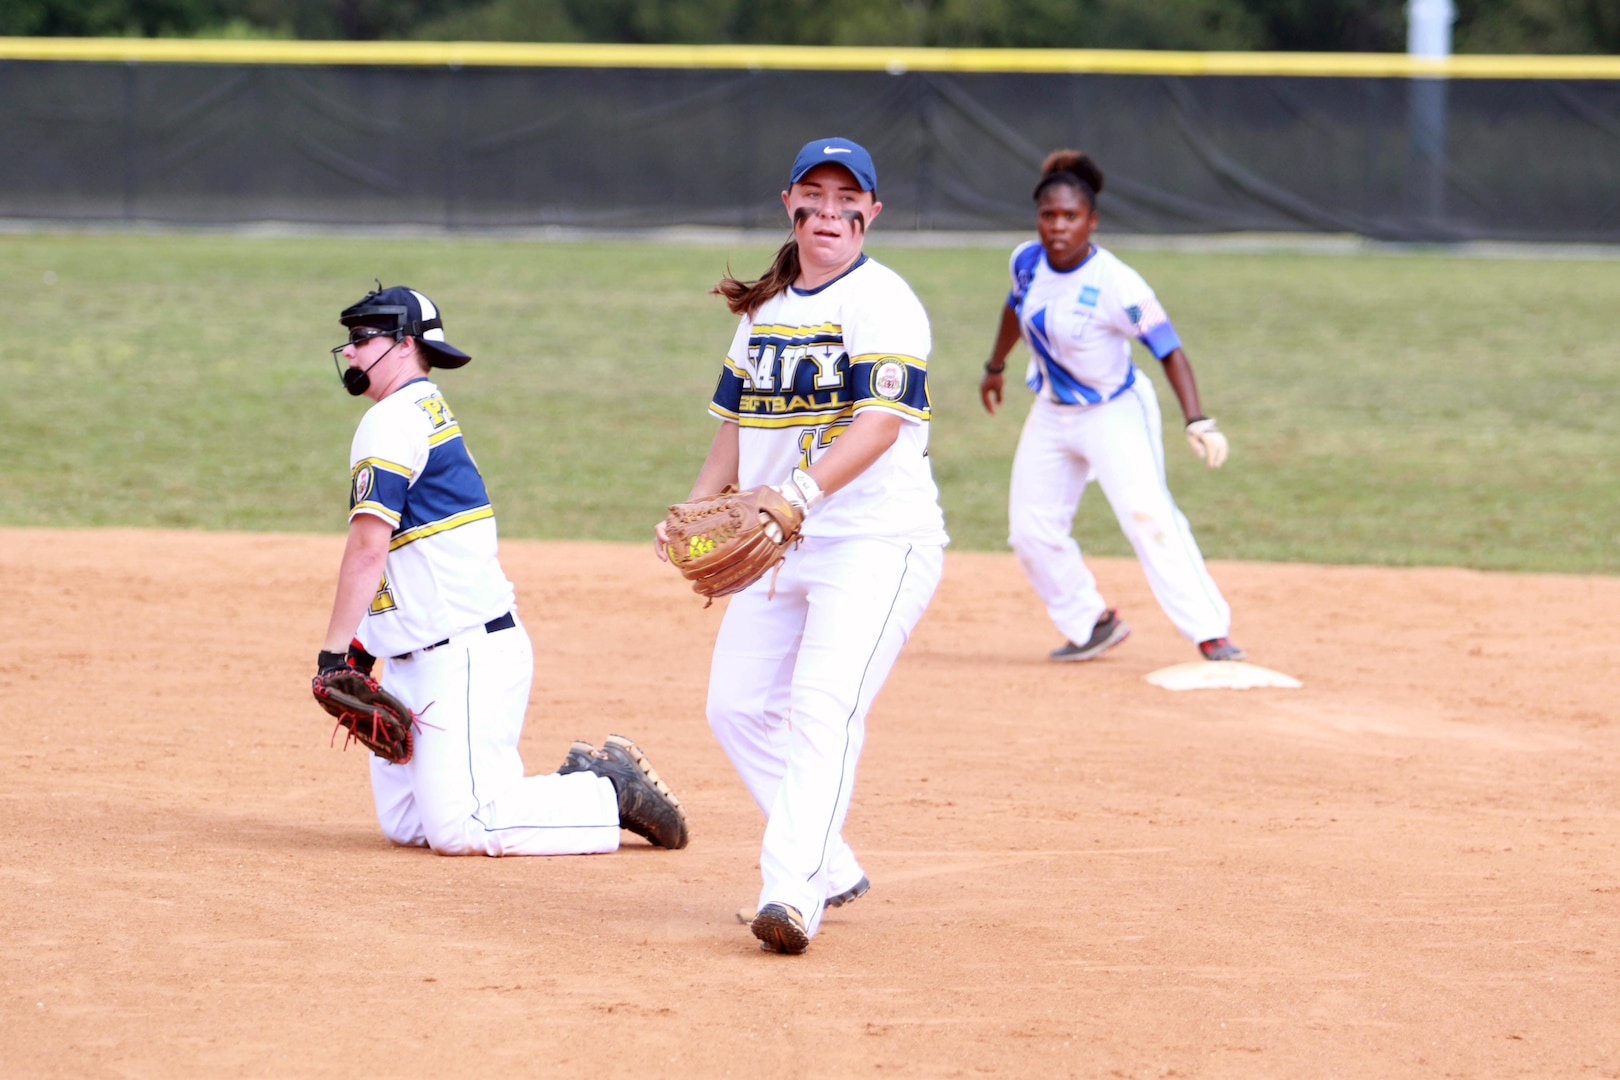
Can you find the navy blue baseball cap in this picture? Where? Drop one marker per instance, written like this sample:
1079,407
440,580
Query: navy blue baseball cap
407,313
851,155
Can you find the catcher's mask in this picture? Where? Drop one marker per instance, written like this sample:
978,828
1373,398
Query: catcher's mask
401,312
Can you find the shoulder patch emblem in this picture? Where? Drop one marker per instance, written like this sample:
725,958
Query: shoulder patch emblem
889,379
362,485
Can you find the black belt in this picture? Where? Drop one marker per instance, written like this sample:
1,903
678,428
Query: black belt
494,626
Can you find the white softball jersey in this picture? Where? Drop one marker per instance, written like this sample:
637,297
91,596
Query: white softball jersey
456,653
409,466
800,370
1079,324
802,654
1096,417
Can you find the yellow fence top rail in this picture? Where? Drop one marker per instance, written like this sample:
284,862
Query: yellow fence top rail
801,58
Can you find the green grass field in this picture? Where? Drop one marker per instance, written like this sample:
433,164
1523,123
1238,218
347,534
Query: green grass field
1399,409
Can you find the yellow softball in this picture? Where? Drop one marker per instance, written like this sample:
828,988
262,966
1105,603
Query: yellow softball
699,545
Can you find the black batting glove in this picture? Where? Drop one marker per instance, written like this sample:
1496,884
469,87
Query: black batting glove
356,658
359,659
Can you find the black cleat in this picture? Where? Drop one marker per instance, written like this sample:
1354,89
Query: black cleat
646,805
780,929
1109,631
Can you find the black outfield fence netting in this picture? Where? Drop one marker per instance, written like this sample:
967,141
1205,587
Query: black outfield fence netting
480,147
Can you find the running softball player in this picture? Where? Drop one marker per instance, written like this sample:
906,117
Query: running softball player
825,393
1096,417
420,584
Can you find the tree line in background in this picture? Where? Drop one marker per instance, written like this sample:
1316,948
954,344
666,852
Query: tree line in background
1483,26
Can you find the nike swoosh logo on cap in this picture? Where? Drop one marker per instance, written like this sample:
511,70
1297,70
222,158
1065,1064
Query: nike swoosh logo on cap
835,150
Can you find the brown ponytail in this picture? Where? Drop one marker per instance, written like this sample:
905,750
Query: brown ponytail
745,297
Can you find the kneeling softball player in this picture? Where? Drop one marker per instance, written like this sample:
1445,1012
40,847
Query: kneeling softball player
421,584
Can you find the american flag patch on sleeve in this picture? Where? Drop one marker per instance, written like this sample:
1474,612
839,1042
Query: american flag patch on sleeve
1146,316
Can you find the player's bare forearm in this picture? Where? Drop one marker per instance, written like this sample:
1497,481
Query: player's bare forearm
1180,374
1007,335
852,453
359,575
720,467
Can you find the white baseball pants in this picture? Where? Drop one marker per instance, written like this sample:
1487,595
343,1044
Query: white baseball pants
463,792
1120,444
792,680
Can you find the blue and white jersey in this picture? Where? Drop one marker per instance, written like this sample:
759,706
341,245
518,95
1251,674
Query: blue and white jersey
1079,324
409,466
802,367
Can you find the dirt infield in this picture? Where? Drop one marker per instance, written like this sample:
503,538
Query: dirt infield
1410,867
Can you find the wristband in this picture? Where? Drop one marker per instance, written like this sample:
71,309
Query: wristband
326,661
994,370
802,482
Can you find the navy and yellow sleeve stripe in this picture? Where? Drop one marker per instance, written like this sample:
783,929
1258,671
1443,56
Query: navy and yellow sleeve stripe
448,494
378,487
445,435
727,400
890,381
433,528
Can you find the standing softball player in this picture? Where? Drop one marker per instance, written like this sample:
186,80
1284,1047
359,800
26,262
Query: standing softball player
1096,417
824,394
420,584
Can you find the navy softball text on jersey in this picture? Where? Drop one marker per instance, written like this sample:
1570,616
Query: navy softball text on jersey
804,365
1079,323
409,466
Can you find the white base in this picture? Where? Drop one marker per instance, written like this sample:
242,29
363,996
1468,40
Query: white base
1220,675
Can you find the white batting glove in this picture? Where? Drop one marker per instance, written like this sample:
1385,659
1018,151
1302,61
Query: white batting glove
1206,442
801,490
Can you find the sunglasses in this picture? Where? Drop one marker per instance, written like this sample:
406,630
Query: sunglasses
359,335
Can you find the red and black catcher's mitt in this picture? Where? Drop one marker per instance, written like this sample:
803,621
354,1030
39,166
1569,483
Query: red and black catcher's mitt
371,715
